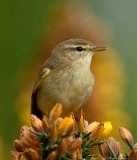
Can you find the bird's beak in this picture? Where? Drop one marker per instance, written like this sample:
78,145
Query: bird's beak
98,48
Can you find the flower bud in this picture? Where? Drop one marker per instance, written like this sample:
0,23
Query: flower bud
86,124
125,135
33,141
135,146
29,139
64,125
74,145
74,156
114,145
69,139
55,112
81,123
52,156
33,154
15,155
79,153
24,136
22,157
62,147
91,127
121,157
71,128
46,124
59,120
71,115
104,151
18,145
36,123
133,154
53,134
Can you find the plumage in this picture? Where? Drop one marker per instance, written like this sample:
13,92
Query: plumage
65,78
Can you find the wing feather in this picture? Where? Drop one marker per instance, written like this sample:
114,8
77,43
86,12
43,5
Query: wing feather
34,108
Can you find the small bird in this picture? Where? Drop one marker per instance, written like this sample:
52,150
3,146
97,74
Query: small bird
65,78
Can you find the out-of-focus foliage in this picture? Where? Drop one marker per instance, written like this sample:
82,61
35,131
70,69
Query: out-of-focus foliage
1,149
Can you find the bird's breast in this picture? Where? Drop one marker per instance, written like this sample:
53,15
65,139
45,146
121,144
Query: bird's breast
69,88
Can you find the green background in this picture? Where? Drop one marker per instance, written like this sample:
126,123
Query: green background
20,23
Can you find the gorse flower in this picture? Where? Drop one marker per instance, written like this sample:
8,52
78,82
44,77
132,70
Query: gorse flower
99,130
54,137
110,149
69,138
125,135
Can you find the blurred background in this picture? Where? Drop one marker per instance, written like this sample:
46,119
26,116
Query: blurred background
29,30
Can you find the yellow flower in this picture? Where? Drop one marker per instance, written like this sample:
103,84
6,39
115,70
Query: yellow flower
107,128
97,133
71,128
99,130
64,125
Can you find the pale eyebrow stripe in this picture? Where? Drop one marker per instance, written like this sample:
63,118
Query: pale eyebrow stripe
74,46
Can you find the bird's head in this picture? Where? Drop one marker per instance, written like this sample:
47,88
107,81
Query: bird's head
74,49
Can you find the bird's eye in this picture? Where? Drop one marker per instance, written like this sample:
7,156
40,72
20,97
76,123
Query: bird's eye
79,48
